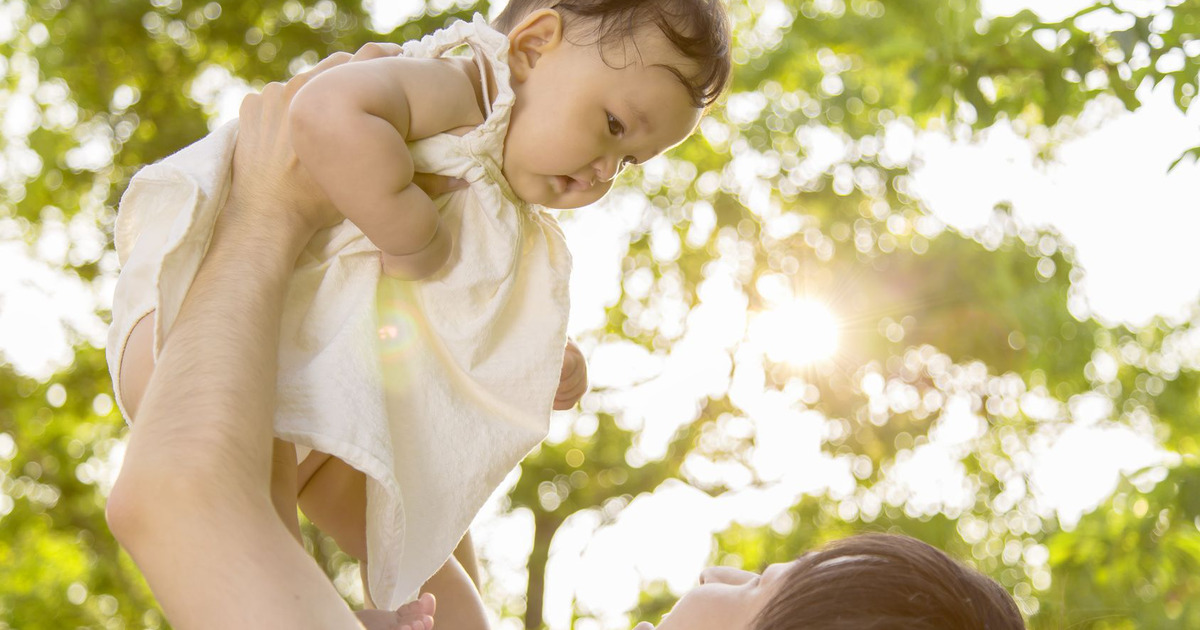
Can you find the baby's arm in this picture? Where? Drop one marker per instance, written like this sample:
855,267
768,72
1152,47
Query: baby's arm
349,127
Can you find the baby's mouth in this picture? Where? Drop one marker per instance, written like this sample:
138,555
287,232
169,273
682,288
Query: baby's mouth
566,183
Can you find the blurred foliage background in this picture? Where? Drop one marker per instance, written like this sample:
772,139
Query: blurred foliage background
90,90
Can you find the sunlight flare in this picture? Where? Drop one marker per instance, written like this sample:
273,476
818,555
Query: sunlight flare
799,333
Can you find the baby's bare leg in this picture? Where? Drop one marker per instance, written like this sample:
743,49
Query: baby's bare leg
283,485
462,607
334,498
465,554
137,366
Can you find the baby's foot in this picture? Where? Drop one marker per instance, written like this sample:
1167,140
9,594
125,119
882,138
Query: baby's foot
417,615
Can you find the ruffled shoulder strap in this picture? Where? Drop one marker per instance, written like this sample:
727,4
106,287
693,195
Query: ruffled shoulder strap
491,55
485,143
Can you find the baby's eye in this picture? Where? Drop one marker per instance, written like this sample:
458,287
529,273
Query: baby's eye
628,160
614,126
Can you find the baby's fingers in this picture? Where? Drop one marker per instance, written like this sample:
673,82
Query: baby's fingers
574,365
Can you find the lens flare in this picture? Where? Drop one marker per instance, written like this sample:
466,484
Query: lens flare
799,333
398,329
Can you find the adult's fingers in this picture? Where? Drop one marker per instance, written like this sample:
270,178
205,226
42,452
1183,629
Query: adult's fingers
336,59
251,106
372,50
265,169
298,81
274,89
375,50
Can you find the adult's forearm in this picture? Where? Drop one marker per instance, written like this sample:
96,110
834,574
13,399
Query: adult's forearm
193,505
215,376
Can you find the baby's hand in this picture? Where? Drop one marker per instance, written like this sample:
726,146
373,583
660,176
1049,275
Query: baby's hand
437,185
572,381
416,615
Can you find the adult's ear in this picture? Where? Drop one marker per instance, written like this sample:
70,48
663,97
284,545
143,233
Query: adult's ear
539,33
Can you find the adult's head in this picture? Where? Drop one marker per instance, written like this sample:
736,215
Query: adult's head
873,581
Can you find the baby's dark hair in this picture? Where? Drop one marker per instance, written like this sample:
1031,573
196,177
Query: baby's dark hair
886,582
698,29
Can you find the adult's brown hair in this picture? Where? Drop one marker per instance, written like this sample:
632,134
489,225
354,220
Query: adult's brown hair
885,582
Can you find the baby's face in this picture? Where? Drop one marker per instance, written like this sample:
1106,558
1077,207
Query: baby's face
577,121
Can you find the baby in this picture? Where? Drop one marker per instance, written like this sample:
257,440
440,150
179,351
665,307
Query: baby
415,390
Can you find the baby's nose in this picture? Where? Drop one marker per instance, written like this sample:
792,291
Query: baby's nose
607,169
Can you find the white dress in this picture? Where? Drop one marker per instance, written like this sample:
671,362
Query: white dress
434,389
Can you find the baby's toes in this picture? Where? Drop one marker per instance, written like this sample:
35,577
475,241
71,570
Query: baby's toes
382,620
424,623
421,607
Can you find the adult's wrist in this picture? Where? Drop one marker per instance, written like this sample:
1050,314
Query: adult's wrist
250,223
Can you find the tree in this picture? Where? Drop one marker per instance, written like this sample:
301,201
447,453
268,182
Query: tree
983,320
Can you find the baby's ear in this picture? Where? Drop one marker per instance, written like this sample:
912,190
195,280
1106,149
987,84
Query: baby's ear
539,33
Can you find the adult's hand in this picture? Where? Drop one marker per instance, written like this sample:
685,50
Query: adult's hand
268,179
267,175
